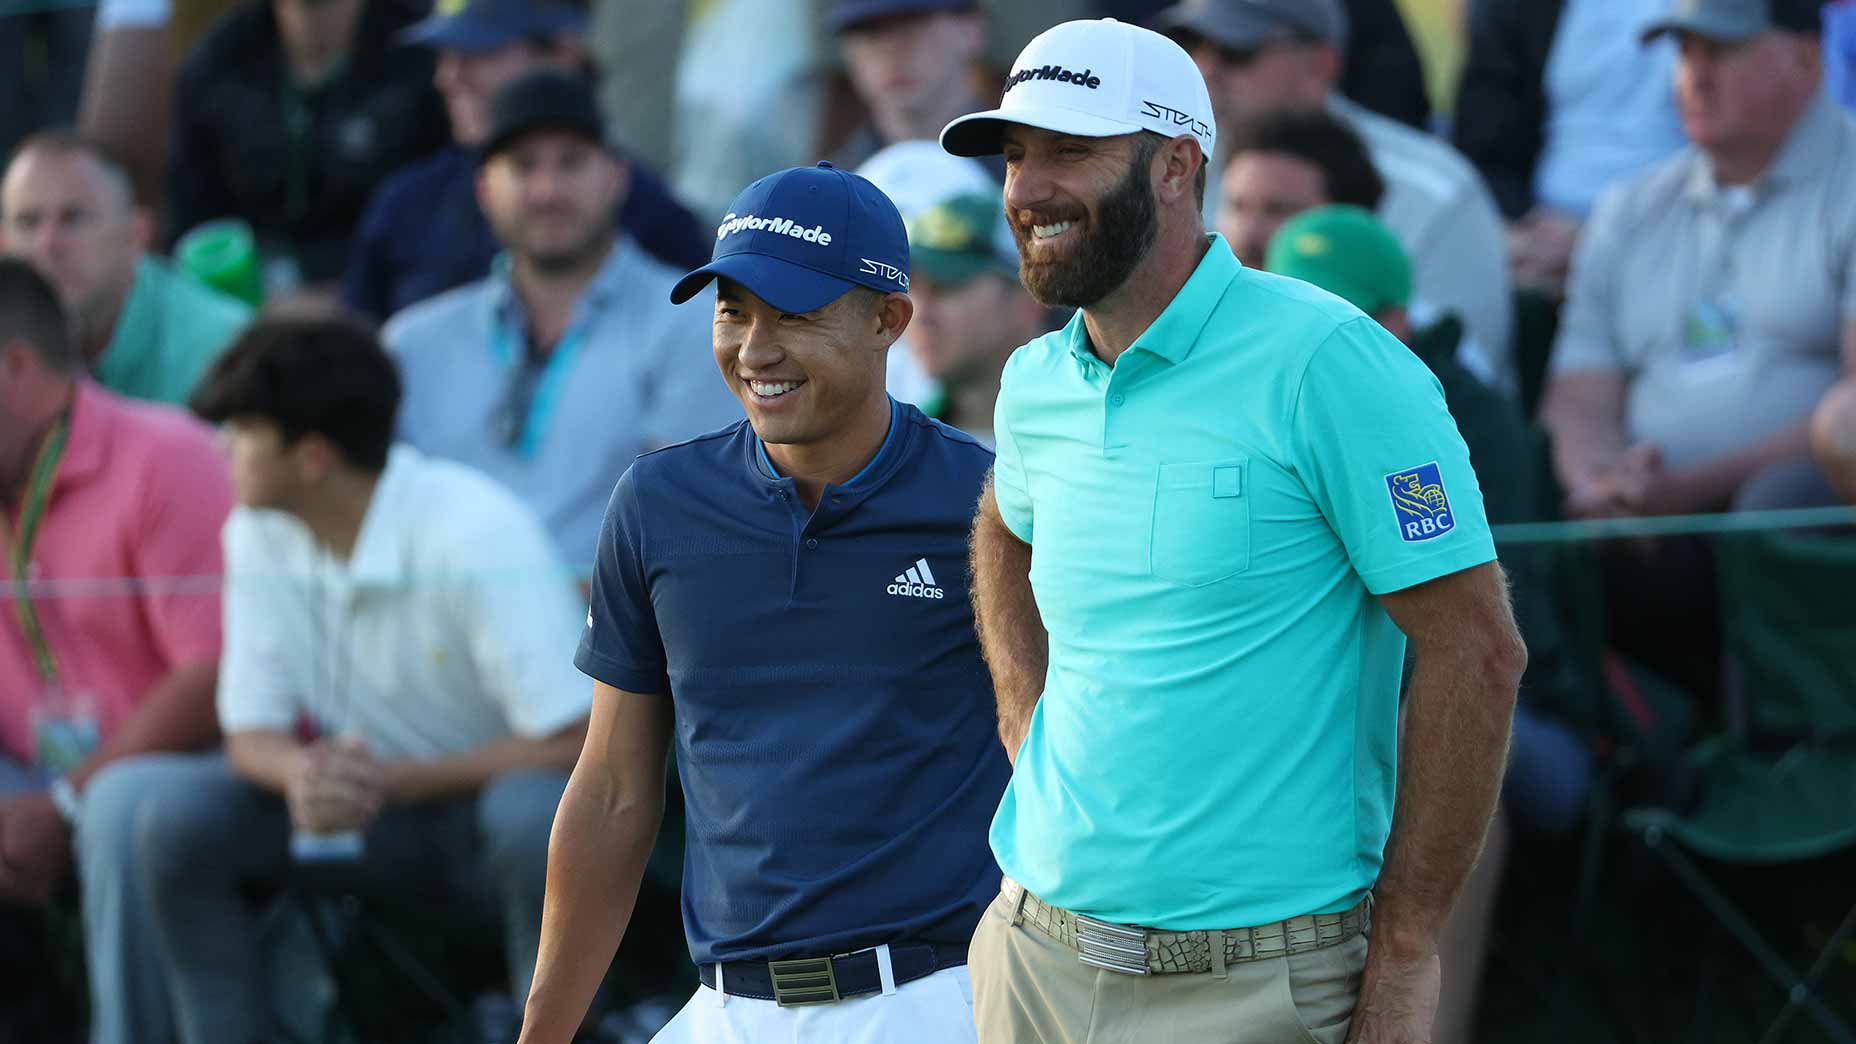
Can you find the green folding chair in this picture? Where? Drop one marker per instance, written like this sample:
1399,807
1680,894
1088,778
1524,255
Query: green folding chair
1780,786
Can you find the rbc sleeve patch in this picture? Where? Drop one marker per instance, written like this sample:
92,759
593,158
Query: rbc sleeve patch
1420,506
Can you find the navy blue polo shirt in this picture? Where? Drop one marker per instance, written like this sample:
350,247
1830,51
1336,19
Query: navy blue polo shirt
423,233
835,728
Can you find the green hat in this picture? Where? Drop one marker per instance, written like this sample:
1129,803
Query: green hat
959,238
1346,251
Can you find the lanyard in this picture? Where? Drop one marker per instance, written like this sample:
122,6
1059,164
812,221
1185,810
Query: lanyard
536,409
31,514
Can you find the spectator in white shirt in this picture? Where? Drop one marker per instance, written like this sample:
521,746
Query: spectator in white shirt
410,615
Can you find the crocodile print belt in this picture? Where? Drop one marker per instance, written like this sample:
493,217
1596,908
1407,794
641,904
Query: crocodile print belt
1133,950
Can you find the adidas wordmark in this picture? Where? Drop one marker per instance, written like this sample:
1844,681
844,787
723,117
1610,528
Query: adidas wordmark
917,582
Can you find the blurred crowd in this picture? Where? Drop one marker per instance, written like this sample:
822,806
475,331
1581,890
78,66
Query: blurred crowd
1628,258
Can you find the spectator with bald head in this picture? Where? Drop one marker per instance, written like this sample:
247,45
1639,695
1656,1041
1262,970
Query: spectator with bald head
144,330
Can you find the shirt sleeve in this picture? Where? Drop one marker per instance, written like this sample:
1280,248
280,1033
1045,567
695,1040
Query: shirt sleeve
621,644
133,14
184,507
268,633
521,622
1587,338
365,283
1382,459
1008,469
1462,265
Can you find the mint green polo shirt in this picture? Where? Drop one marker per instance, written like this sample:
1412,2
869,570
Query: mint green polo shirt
1210,520
170,330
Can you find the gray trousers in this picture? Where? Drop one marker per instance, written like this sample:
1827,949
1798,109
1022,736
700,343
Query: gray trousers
172,846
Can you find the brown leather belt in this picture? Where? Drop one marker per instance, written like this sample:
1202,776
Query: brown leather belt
1134,950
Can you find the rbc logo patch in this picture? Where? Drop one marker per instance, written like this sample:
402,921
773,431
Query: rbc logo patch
1419,503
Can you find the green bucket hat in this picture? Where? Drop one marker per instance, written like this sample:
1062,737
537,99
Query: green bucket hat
959,238
1346,251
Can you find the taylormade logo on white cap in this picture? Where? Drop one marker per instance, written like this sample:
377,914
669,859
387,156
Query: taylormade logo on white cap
1096,79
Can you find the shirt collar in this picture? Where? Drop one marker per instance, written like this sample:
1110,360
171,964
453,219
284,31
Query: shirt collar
872,474
86,448
1807,148
379,557
613,276
1172,335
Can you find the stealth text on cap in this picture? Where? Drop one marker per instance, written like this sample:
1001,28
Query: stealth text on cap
1086,78
1174,116
778,226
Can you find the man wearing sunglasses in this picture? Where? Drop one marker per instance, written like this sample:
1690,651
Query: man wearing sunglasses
567,361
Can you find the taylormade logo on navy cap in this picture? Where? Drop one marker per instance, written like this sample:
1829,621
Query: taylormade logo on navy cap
800,238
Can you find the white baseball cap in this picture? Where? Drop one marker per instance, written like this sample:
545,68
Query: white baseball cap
1094,79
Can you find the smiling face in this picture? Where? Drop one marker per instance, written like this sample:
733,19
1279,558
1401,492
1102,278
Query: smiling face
1081,209
806,378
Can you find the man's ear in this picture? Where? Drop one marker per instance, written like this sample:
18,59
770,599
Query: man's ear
1180,160
893,313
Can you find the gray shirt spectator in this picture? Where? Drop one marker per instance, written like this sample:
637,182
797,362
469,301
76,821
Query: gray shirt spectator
1720,301
632,374
1709,299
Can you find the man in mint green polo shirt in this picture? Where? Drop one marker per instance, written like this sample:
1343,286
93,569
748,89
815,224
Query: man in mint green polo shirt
146,330
1223,501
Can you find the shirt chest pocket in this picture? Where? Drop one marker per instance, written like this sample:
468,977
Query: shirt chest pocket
1201,521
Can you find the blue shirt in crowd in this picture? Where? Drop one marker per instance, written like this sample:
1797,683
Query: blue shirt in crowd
423,233
633,372
834,720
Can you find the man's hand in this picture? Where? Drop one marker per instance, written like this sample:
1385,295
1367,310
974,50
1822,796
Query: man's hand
1633,486
35,849
335,785
1540,248
1398,998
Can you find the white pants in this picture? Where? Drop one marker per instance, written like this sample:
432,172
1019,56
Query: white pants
937,1009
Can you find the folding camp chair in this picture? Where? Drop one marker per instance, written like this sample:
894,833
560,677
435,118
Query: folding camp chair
1780,786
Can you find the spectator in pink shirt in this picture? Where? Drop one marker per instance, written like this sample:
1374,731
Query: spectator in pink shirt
112,511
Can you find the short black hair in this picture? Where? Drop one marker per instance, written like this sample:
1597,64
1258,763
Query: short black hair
30,311
322,374
1322,141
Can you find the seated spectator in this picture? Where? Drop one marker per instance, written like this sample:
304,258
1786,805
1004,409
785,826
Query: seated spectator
1262,57
916,175
437,681
118,502
568,361
913,65
1833,440
1712,303
1347,252
1558,101
1282,163
287,115
971,312
1840,51
423,233
145,330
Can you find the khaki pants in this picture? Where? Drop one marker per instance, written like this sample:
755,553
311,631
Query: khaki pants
1028,989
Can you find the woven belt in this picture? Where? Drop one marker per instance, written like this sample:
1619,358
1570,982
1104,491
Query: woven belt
1134,950
822,980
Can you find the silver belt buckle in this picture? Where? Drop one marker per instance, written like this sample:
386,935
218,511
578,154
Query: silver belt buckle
1113,947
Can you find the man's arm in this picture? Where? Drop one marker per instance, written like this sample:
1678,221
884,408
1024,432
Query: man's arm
603,833
176,714
1583,411
1011,632
412,781
1452,751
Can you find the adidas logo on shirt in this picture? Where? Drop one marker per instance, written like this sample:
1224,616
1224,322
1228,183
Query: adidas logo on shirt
917,582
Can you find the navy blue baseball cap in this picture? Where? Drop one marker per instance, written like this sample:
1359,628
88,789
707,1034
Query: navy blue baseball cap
848,14
485,25
800,238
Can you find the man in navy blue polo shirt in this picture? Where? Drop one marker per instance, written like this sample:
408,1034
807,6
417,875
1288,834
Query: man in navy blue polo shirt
787,598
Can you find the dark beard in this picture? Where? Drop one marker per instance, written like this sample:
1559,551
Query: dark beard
1114,243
